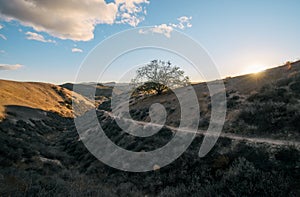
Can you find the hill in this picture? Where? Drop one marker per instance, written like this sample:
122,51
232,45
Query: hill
42,96
84,89
46,155
277,90
246,84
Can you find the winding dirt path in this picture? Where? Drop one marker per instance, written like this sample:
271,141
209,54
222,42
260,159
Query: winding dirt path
223,135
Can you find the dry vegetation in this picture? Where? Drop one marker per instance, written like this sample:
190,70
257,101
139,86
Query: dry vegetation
265,103
43,96
45,156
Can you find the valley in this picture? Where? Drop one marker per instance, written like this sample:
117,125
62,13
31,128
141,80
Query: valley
41,151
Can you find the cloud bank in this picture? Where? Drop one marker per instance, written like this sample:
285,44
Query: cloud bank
10,66
72,19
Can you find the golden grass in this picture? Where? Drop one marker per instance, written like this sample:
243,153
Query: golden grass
42,96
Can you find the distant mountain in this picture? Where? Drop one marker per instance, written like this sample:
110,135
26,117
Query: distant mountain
42,96
99,92
86,88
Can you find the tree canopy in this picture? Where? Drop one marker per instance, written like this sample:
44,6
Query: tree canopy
157,77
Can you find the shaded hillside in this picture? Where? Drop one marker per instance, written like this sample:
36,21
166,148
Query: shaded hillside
45,155
85,89
40,96
41,152
94,91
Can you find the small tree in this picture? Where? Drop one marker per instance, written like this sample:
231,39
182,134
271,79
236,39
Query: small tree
157,77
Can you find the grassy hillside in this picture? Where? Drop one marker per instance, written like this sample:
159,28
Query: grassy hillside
273,110
246,84
266,103
42,96
46,155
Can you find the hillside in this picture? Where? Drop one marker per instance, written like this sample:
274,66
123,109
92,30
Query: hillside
273,93
46,155
246,84
84,89
41,96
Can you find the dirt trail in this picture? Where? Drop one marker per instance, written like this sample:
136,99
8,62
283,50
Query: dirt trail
223,135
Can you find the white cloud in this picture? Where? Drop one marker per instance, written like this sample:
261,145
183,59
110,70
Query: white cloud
160,29
131,6
77,50
72,19
10,66
131,12
2,51
3,37
37,37
184,22
126,18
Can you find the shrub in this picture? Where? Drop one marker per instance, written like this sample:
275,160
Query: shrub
243,179
288,156
295,87
106,106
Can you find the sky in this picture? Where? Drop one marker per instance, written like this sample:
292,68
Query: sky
48,40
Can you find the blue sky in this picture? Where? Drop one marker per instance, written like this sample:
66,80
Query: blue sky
40,44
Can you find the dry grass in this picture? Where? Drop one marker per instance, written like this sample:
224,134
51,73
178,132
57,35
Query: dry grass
42,96
242,86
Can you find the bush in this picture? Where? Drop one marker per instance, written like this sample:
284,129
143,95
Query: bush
295,87
256,113
243,179
288,156
106,106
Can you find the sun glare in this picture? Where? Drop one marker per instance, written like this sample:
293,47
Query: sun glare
256,68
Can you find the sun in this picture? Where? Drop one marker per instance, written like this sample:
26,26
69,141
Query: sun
255,68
